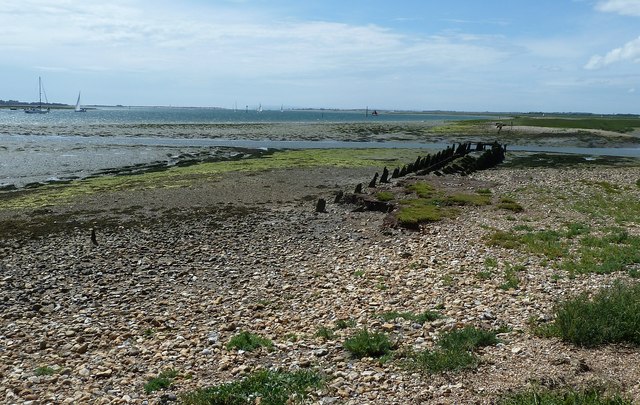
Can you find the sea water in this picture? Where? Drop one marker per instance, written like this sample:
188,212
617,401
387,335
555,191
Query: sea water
64,144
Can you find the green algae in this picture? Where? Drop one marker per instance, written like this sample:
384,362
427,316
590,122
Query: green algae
182,177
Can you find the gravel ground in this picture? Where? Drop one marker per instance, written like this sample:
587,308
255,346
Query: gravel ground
169,293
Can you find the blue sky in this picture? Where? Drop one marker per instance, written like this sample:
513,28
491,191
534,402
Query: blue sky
464,55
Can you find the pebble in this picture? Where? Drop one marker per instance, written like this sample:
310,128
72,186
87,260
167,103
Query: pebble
170,295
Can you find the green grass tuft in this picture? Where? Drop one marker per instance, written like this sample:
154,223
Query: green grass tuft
455,352
611,316
325,333
45,370
345,323
468,199
385,196
417,212
162,381
591,396
368,344
421,318
271,387
423,190
248,342
468,338
509,204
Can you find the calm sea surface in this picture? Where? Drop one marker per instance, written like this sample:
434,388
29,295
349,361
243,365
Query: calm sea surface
65,145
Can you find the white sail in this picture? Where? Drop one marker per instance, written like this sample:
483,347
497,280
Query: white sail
78,108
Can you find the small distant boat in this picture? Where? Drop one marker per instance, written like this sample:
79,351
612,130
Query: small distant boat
78,108
39,109
260,108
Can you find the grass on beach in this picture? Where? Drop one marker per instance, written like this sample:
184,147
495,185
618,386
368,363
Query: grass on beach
590,396
432,205
617,124
264,387
612,315
455,351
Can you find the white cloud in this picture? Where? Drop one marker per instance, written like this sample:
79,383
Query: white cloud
132,36
624,7
628,52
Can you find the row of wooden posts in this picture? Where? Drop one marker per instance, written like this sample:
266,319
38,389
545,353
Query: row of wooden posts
453,159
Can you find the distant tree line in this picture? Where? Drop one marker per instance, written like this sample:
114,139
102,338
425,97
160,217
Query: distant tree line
15,102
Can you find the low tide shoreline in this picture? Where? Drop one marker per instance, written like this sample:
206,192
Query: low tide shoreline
178,272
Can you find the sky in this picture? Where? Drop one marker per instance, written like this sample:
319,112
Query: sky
460,55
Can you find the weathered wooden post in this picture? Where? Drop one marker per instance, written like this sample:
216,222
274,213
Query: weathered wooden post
321,205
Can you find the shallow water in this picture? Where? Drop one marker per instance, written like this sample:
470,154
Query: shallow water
66,145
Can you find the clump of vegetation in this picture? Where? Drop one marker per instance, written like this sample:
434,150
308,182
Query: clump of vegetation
162,381
576,229
248,341
433,205
415,212
423,190
608,188
468,199
421,318
545,242
45,370
385,196
455,351
511,279
325,333
610,316
614,124
345,323
604,253
507,203
368,344
265,387
591,396
468,338
608,201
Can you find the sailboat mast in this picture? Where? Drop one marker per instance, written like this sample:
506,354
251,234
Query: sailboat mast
39,92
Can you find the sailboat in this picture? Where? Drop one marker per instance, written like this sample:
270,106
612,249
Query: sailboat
260,108
78,108
39,109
